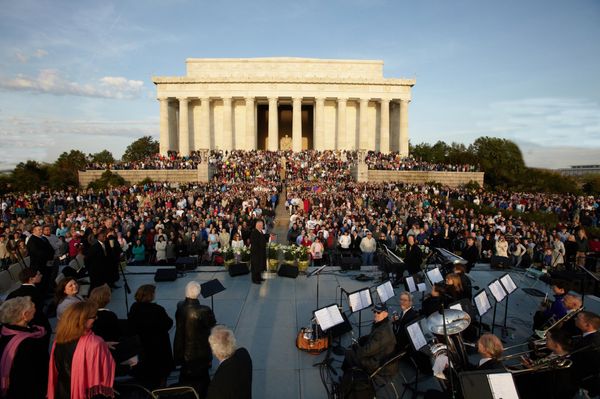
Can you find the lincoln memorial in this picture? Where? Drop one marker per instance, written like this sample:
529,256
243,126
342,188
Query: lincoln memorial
283,103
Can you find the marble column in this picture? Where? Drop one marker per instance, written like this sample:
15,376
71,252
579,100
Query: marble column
403,142
273,130
319,131
184,127
342,140
297,124
363,140
173,125
204,136
227,130
384,125
250,126
164,144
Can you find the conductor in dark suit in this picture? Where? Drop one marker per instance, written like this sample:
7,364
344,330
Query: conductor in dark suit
98,262
414,256
40,254
233,378
470,253
258,252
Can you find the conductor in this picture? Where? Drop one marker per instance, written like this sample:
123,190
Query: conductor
258,252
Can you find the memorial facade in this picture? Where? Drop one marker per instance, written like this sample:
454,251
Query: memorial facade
283,103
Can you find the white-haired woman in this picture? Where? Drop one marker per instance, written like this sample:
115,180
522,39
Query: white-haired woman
190,348
233,378
23,351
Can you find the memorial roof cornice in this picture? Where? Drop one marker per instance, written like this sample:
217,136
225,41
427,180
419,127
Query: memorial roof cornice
365,82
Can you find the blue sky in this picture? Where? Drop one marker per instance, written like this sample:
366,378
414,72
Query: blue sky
78,74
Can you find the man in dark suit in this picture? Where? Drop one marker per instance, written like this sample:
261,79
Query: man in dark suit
97,262
408,315
470,253
41,254
414,256
29,278
258,252
233,378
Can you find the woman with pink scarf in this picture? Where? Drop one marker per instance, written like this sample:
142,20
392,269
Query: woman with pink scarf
81,366
24,352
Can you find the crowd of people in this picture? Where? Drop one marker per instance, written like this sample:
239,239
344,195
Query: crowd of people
87,232
395,161
92,346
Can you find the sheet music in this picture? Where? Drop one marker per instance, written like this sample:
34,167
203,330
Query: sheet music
421,287
456,306
329,317
385,291
416,335
497,290
360,300
482,303
502,386
435,275
508,283
410,281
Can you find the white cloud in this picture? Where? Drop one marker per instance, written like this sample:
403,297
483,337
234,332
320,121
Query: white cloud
51,82
44,139
23,56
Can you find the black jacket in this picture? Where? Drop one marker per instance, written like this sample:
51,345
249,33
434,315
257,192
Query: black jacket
402,339
233,378
378,347
258,250
98,263
194,322
29,372
152,324
471,255
40,252
413,258
586,362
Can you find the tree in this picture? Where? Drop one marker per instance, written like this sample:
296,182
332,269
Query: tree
140,149
30,175
500,159
64,171
103,156
591,184
108,179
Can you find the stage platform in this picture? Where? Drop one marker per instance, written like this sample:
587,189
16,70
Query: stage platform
266,318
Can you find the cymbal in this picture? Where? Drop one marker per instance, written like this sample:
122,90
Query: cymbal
456,321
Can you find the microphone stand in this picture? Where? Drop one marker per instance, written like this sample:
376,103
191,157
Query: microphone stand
125,285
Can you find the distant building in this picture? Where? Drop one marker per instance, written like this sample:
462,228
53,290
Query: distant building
580,170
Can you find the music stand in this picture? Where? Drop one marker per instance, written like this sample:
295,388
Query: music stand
209,289
488,384
327,318
417,341
318,273
385,291
359,300
509,286
499,295
456,306
482,303
435,275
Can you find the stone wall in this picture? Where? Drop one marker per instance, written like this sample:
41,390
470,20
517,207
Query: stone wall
452,179
201,174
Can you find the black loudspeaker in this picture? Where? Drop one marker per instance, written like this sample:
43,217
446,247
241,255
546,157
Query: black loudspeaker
500,262
186,263
286,270
238,269
350,263
165,275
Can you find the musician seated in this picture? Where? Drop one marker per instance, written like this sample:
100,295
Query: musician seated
407,315
572,303
376,348
586,353
490,348
556,310
434,301
454,287
465,280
